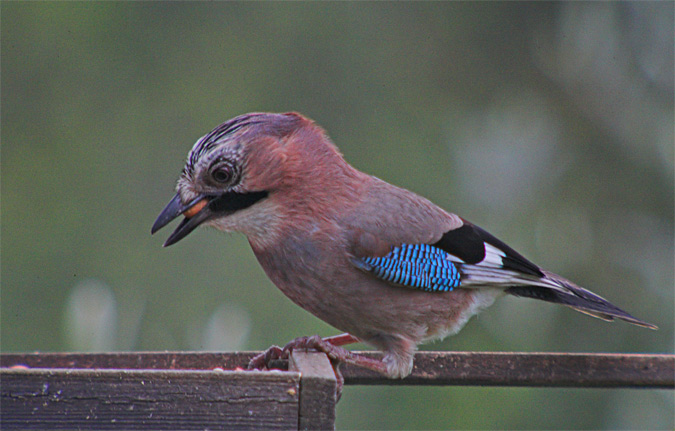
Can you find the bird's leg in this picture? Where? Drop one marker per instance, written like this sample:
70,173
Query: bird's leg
337,355
262,361
334,351
329,345
341,340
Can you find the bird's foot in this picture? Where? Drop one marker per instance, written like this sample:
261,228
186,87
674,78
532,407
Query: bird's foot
330,346
264,360
333,351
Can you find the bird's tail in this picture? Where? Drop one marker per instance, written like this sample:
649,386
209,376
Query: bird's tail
558,290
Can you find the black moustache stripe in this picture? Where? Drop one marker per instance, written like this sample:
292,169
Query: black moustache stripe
233,201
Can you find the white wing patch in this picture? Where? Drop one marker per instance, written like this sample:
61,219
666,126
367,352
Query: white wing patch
490,272
493,257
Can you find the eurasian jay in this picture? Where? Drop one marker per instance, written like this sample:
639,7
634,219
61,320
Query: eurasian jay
377,261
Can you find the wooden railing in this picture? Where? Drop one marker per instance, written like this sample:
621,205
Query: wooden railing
184,390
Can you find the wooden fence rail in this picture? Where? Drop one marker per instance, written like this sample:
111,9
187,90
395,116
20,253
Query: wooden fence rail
184,390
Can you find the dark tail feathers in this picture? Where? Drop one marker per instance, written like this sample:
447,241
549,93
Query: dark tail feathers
577,298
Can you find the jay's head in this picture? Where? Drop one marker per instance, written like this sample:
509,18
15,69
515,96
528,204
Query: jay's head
238,176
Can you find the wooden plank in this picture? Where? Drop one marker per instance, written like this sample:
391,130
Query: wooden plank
148,399
581,370
131,360
317,389
590,370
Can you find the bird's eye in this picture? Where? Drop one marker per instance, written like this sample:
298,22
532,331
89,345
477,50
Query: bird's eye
222,173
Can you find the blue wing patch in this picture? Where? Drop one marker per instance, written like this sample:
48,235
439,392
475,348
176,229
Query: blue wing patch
415,265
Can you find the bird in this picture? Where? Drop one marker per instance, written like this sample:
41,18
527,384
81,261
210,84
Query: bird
381,263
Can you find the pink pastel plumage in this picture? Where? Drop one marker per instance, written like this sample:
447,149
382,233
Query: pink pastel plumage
372,259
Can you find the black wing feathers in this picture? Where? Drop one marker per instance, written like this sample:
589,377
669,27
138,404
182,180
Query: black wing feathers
468,244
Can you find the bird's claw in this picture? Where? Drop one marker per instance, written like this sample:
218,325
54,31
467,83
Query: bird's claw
263,361
335,354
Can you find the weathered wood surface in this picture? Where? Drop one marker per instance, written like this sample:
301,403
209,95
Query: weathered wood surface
131,360
192,391
590,370
317,389
100,399
579,370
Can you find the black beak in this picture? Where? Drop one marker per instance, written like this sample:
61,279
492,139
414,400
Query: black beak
176,208
209,206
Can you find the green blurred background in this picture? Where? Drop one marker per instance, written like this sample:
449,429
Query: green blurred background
549,124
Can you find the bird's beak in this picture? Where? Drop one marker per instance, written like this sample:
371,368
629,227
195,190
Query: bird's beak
196,212
201,209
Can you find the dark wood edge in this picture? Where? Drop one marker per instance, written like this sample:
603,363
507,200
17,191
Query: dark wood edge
590,370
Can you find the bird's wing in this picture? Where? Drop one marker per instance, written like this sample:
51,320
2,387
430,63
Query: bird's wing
465,257
470,257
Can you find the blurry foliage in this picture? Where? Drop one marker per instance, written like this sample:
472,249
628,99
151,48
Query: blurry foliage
550,124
